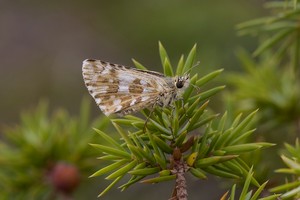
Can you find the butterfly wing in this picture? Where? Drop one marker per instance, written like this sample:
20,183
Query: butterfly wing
121,90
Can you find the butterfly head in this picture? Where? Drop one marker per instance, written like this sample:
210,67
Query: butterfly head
182,82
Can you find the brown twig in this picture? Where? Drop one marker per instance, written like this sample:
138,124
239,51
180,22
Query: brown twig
179,167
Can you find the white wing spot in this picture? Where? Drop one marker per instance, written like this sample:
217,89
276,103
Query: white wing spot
144,83
98,100
147,90
123,88
106,70
124,80
118,108
133,102
117,102
145,98
103,108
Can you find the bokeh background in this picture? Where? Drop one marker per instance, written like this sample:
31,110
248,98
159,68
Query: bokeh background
43,43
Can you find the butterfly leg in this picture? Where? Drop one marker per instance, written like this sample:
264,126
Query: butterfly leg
147,119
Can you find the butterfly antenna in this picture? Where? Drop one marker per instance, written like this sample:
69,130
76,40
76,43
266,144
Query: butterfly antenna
190,69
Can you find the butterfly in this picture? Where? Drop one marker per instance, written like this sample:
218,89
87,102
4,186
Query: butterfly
122,90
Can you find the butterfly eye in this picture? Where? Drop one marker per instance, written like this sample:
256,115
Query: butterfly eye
179,84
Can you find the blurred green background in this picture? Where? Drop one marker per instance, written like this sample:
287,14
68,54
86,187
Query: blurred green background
43,43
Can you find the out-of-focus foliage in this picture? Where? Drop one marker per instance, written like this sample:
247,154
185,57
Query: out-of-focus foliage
275,90
279,32
45,157
271,82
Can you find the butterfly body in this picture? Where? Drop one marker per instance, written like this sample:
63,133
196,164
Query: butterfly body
123,90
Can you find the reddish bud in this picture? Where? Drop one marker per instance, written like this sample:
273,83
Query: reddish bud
65,177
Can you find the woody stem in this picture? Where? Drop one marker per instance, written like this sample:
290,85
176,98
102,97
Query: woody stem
180,190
